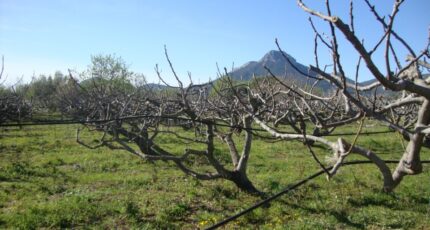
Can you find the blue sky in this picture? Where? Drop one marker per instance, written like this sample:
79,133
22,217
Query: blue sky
40,37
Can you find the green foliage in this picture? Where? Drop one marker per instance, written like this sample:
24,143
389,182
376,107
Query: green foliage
42,91
47,180
4,91
108,73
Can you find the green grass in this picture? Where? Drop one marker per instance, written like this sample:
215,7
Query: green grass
47,180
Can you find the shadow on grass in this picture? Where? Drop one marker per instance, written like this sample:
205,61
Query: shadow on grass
2,223
390,201
341,216
409,203
372,201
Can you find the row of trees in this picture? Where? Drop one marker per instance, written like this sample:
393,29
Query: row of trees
273,104
20,101
135,117
41,96
13,106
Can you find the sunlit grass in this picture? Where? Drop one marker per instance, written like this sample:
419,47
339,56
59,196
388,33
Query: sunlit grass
47,180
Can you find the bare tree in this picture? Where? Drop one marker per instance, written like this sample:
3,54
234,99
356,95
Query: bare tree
13,106
406,110
137,119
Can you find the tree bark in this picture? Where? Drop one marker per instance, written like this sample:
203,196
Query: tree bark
410,163
241,180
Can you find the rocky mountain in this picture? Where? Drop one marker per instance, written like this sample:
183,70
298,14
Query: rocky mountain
278,65
275,62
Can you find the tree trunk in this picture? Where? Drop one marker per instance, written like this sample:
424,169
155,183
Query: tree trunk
410,163
241,180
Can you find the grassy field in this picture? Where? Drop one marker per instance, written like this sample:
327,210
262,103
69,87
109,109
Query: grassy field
47,180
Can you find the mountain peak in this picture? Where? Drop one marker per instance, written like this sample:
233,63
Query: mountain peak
279,66
274,56
276,62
